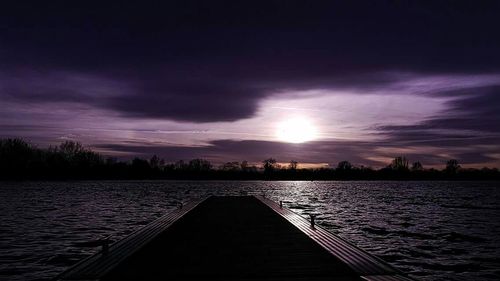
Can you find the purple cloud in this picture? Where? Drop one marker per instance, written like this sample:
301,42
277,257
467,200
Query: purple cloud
196,63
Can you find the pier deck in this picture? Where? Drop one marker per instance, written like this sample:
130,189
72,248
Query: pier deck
232,238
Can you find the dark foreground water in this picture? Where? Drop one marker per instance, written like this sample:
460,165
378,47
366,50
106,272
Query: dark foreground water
432,230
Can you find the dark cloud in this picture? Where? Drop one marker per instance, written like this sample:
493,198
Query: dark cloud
473,114
214,61
467,131
189,101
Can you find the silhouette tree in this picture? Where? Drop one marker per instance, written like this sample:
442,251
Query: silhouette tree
244,165
199,165
181,165
344,166
71,149
70,160
269,165
452,166
399,164
155,162
13,150
230,166
417,166
16,155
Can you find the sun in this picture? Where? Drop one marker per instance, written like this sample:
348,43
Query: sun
296,130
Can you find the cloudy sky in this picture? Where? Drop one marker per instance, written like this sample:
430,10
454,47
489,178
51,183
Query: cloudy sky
317,82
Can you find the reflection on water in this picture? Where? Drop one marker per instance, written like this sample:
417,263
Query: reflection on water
432,230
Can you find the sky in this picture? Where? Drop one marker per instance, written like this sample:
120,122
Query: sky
312,81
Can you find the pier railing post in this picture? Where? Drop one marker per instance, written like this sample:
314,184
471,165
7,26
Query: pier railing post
102,242
281,204
312,220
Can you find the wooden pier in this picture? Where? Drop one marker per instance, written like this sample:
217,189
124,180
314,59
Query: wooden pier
232,238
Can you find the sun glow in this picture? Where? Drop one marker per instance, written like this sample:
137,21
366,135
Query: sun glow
296,130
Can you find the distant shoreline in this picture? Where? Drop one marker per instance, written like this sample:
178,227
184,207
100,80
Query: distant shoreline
21,161
236,180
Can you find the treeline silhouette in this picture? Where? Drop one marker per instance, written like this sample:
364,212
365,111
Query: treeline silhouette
20,160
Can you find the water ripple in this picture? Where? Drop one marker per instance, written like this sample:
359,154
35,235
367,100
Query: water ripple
432,230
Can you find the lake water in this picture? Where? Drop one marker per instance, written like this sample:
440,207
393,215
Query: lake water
431,230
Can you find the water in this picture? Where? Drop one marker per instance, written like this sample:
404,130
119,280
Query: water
432,230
